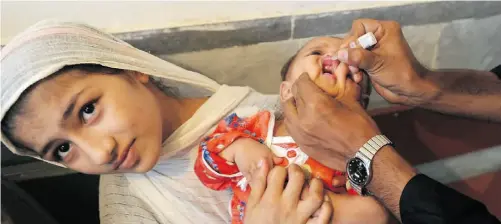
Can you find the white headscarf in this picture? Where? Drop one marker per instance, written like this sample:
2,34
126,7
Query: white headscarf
48,46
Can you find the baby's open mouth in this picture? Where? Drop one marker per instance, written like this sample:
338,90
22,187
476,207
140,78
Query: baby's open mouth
327,65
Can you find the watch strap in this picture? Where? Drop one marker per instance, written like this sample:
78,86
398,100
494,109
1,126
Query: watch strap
360,191
372,146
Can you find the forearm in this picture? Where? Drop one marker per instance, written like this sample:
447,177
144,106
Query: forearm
391,173
464,92
368,209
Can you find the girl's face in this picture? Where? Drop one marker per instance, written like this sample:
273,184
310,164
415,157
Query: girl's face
93,123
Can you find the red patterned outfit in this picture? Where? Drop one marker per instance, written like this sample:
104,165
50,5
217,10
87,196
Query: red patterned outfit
219,174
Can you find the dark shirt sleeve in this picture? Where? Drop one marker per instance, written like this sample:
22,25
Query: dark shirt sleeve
425,200
497,71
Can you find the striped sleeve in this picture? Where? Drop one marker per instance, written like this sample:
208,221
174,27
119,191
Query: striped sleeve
117,203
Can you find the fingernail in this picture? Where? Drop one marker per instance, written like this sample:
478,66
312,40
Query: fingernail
353,44
326,198
353,69
342,55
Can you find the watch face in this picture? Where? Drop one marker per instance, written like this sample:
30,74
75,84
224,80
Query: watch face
356,171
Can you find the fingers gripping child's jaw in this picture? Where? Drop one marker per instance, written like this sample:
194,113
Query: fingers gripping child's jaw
316,59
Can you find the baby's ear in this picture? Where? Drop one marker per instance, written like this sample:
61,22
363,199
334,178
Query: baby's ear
285,91
141,77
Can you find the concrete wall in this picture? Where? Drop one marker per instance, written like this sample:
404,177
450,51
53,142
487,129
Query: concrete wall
127,16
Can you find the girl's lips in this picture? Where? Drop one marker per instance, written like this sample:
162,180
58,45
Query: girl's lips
130,160
124,159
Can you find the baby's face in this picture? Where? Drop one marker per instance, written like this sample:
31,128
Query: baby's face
315,58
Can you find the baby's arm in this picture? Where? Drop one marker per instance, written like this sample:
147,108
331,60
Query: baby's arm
234,148
247,153
214,171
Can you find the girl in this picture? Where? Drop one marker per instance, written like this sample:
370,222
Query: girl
80,98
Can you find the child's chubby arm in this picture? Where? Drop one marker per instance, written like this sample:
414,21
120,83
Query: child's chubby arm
219,170
247,153
232,150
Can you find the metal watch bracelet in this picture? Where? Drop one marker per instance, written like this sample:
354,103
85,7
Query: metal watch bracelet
366,153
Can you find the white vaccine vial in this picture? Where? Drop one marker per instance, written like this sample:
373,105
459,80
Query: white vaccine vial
367,40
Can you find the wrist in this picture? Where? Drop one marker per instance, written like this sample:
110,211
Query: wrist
389,169
365,135
428,88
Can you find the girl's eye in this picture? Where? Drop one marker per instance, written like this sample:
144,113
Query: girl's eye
316,53
87,111
63,150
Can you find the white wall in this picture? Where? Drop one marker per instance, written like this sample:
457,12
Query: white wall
123,16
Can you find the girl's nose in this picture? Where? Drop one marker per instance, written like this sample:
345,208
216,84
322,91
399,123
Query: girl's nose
101,150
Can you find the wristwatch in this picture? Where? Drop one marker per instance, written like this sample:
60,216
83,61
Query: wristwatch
359,169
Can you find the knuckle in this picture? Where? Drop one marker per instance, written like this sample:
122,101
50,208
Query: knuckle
358,20
395,24
356,56
363,20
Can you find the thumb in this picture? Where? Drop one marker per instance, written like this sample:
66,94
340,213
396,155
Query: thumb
359,57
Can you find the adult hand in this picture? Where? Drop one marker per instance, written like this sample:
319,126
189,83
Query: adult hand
270,202
327,129
331,130
394,71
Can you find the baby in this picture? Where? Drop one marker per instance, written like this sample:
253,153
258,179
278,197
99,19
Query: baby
243,138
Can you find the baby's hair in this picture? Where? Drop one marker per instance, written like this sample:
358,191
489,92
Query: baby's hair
286,67
9,123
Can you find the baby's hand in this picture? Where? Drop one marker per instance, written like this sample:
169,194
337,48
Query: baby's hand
249,152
